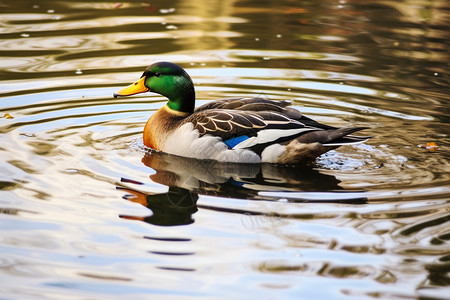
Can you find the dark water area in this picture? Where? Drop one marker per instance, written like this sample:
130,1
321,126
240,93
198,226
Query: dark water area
87,212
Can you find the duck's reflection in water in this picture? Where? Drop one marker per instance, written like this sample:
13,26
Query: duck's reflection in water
175,207
187,178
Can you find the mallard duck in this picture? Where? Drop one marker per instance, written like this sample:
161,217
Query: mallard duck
242,130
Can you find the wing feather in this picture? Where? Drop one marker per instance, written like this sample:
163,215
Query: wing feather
229,124
251,104
256,123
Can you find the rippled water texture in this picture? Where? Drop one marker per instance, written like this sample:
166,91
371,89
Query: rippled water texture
88,213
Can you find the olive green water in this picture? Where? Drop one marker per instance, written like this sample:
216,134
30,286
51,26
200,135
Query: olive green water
88,213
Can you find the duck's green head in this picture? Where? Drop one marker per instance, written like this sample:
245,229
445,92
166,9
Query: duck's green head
167,79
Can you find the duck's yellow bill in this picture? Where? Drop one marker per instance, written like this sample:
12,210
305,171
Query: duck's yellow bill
132,89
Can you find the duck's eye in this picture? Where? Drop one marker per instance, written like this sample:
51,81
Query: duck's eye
157,74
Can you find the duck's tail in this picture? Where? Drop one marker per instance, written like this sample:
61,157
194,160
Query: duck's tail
334,137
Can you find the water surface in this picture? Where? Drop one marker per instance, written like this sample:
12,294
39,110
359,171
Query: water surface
89,213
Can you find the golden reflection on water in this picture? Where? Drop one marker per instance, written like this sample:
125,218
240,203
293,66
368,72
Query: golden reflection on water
369,221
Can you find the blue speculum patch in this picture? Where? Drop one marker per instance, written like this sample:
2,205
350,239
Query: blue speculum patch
234,141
